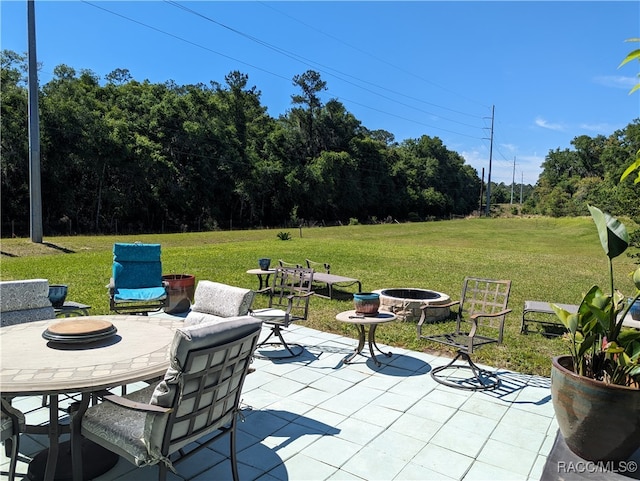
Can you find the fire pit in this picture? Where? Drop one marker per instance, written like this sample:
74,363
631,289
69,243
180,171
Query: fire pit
405,303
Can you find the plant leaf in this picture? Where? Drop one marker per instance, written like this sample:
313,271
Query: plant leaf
614,237
635,165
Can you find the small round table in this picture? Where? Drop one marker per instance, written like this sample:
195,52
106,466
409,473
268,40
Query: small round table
262,272
362,321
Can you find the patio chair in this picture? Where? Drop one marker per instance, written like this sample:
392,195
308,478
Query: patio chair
288,302
483,307
136,285
195,404
11,422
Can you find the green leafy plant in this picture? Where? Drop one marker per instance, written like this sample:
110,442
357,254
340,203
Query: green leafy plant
633,55
284,236
600,347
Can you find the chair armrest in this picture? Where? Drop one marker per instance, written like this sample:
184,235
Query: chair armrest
484,314
264,290
128,403
311,264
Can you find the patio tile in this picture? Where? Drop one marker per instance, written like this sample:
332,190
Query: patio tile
443,461
508,457
373,465
415,472
314,417
416,427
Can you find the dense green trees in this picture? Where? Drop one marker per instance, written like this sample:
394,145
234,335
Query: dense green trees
589,174
127,156
121,155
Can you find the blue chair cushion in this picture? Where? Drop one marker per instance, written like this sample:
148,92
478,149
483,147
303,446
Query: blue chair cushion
137,266
141,294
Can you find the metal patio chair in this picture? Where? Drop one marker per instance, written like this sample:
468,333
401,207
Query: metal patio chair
136,285
196,403
482,310
289,297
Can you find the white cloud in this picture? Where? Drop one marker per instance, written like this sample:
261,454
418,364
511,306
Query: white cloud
540,122
616,81
599,128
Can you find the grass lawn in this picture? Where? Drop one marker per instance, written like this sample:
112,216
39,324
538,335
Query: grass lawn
547,259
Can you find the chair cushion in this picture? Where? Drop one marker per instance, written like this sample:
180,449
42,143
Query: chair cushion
194,318
271,315
122,428
142,294
24,294
221,299
136,266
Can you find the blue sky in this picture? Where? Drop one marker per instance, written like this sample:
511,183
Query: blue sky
411,68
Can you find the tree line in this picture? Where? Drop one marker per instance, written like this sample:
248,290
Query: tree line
123,156
589,173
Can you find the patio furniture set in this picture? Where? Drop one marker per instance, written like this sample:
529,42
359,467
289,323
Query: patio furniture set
200,361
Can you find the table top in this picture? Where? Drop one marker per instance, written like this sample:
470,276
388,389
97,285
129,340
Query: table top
352,318
260,271
32,365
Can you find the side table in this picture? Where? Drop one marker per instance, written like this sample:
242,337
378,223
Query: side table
262,272
362,321
71,308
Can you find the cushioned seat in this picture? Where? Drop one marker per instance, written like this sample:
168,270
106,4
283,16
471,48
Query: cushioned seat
136,284
199,395
214,301
25,300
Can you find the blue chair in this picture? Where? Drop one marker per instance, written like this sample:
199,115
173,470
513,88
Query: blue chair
136,284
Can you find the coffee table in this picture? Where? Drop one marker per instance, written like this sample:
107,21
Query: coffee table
362,321
262,272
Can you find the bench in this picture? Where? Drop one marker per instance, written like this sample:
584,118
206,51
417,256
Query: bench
328,279
25,301
546,316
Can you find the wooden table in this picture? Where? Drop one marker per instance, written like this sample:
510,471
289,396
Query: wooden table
32,365
262,272
362,321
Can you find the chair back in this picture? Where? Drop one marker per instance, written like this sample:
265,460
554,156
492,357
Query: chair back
289,291
203,385
136,266
484,296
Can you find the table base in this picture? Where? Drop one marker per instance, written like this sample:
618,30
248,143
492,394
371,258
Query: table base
372,345
96,461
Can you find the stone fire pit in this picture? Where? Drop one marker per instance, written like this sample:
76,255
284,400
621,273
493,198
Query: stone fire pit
405,303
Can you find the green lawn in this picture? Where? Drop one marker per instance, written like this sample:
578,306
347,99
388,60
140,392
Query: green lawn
547,259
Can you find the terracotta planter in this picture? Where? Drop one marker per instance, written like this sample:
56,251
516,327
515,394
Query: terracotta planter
180,291
366,303
599,422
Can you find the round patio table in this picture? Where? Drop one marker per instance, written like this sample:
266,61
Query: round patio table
362,321
32,365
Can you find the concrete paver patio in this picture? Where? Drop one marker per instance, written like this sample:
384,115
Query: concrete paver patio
315,418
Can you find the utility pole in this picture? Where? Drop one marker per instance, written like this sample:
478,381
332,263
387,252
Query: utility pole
513,178
35,190
488,206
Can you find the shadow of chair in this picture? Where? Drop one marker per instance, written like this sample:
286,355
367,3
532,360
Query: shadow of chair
136,284
481,311
199,396
289,297
11,423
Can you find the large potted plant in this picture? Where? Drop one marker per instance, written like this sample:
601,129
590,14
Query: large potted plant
596,388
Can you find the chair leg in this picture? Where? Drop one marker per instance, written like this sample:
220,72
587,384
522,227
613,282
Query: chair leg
12,447
481,380
278,332
232,451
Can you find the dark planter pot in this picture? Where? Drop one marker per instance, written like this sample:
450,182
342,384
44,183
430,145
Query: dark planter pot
180,291
599,422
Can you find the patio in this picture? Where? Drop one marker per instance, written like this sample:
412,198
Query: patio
315,418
